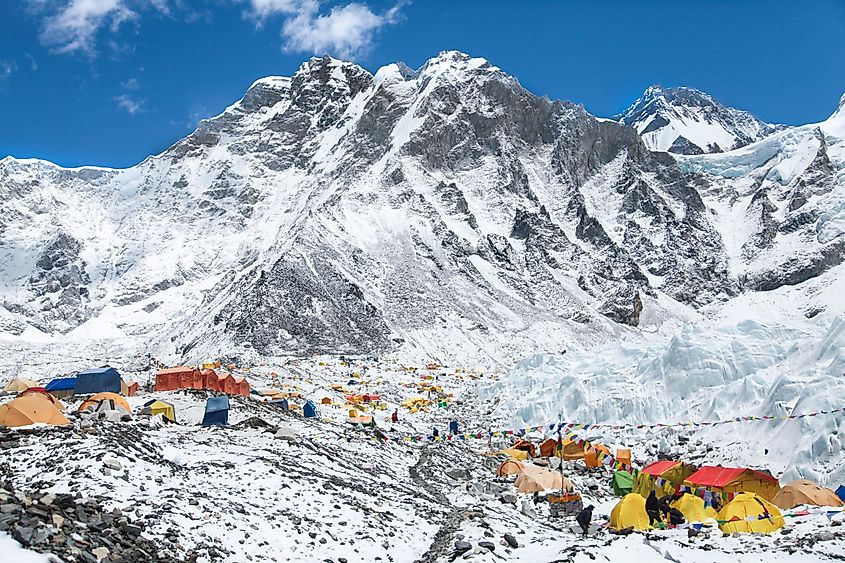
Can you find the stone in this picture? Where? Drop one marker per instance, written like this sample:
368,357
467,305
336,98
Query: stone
100,553
488,545
511,540
462,547
507,498
112,463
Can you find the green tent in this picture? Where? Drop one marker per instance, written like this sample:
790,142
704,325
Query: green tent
623,483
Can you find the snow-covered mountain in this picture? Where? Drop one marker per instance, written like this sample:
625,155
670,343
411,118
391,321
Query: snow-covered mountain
687,121
445,212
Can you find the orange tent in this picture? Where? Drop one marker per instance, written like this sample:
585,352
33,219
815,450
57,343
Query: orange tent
525,446
803,491
95,400
209,379
591,458
230,385
243,386
43,392
326,401
547,448
180,377
509,467
30,409
197,382
623,455
133,388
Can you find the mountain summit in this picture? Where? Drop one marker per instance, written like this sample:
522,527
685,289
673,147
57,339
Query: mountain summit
687,121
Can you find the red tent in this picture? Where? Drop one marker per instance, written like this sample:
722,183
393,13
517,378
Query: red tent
717,476
230,385
133,388
657,468
180,377
209,379
243,387
370,397
197,379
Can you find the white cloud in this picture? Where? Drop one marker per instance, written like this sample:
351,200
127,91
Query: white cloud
131,84
6,69
129,103
72,26
346,30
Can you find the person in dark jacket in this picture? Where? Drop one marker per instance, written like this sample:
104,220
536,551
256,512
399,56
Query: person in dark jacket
584,518
652,508
676,517
394,418
435,433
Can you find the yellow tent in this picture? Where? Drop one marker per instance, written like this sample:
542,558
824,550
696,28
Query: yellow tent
763,516
803,491
29,409
19,385
118,402
509,467
162,408
670,473
515,454
629,513
693,508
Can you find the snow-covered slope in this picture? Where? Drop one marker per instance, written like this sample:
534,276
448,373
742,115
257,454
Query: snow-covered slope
687,121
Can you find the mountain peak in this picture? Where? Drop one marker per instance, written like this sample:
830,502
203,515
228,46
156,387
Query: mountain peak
688,121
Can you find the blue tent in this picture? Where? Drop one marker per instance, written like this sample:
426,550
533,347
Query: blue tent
453,427
840,492
97,380
309,410
282,403
61,384
216,411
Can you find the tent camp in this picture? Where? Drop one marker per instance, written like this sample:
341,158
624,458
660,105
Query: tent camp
629,513
19,384
163,408
693,508
623,483
61,388
803,491
309,410
593,457
750,513
106,402
98,380
30,409
662,476
216,411
718,479
509,467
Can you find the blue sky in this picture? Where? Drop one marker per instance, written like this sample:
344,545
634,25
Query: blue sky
109,82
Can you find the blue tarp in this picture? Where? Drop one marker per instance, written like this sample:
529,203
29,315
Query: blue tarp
309,410
216,412
61,384
283,404
97,380
840,492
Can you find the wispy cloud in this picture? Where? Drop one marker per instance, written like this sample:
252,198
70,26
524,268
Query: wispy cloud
131,84
130,104
7,68
346,30
73,26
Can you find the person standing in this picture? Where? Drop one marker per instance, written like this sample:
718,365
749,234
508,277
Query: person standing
584,517
652,508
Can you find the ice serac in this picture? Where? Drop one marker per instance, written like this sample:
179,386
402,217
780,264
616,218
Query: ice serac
444,211
687,121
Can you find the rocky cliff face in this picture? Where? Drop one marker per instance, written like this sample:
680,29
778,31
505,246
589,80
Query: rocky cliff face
446,211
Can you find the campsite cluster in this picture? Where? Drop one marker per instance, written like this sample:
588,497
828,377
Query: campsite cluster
312,463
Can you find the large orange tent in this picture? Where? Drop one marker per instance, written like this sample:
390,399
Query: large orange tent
179,377
534,479
803,491
117,402
509,467
30,409
45,393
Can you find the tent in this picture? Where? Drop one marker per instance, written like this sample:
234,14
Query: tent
326,401
623,483
803,491
720,479
547,447
106,401
535,479
19,384
571,449
179,377
163,408
31,409
591,458
514,453
629,513
104,379
132,389
623,455
365,420
762,516
509,467
840,492
43,392
216,411
693,508
242,386
525,446
663,477
281,403
61,387
209,379
230,385
309,410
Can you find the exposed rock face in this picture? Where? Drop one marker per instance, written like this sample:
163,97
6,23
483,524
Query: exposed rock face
340,211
